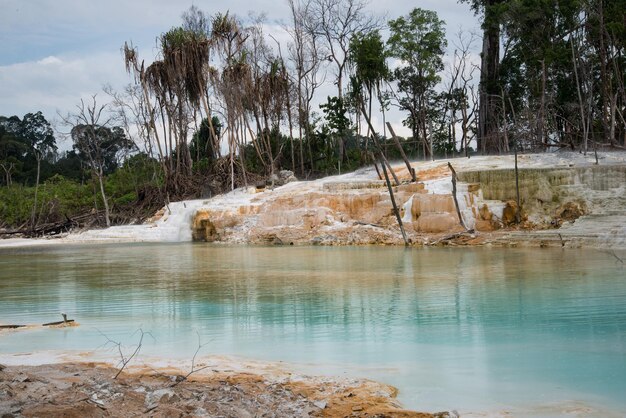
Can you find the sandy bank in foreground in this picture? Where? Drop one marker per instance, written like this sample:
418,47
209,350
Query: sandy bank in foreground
89,389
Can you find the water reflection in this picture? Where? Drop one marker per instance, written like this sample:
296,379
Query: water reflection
476,326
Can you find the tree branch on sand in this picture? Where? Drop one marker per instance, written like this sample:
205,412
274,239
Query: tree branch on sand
124,357
194,368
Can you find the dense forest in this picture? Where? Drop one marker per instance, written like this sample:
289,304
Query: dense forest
224,104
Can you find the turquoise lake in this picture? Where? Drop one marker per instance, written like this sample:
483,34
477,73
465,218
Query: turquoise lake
532,331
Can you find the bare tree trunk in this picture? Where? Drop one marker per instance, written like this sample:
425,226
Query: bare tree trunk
241,146
32,218
580,97
378,146
504,127
456,201
612,114
255,143
604,80
404,157
393,200
214,138
290,122
104,197
300,122
490,59
518,212
542,107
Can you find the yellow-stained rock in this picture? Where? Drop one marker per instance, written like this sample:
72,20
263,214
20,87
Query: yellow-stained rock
571,211
412,188
209,225
482,225
509,212
437,222
485,213
431,203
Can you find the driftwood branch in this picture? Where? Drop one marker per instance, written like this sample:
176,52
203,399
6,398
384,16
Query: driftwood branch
55,228
451,237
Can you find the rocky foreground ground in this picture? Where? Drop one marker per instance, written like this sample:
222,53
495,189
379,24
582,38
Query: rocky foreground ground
90,390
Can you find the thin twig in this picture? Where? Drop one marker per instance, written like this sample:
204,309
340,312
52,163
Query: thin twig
124,359
193,362
614,255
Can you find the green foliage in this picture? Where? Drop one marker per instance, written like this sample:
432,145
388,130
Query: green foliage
99,146
418,41
139,172
25,143
203,142
71,166
279,144
335,115
367,54
58,197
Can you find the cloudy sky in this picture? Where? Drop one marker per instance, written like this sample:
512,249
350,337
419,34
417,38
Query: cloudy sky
55,52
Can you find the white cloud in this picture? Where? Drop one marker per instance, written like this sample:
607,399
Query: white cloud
56,83
50,61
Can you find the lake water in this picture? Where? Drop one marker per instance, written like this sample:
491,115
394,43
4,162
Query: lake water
534,331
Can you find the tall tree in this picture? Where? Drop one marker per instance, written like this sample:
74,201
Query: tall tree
489,139
12,147
38,134
418,42
97,142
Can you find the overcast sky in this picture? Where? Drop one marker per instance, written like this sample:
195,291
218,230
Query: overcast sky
53,52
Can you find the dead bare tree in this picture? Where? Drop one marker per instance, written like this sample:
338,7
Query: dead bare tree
461,75
91,133
306,54
336,21
229,38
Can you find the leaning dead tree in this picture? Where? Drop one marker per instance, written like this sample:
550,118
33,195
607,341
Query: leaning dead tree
454,196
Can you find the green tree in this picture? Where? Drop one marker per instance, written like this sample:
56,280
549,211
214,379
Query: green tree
339,127
368,58
418,42
203,143
12,148
38,134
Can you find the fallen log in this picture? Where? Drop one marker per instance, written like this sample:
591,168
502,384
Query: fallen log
451,237
55,228
57,323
